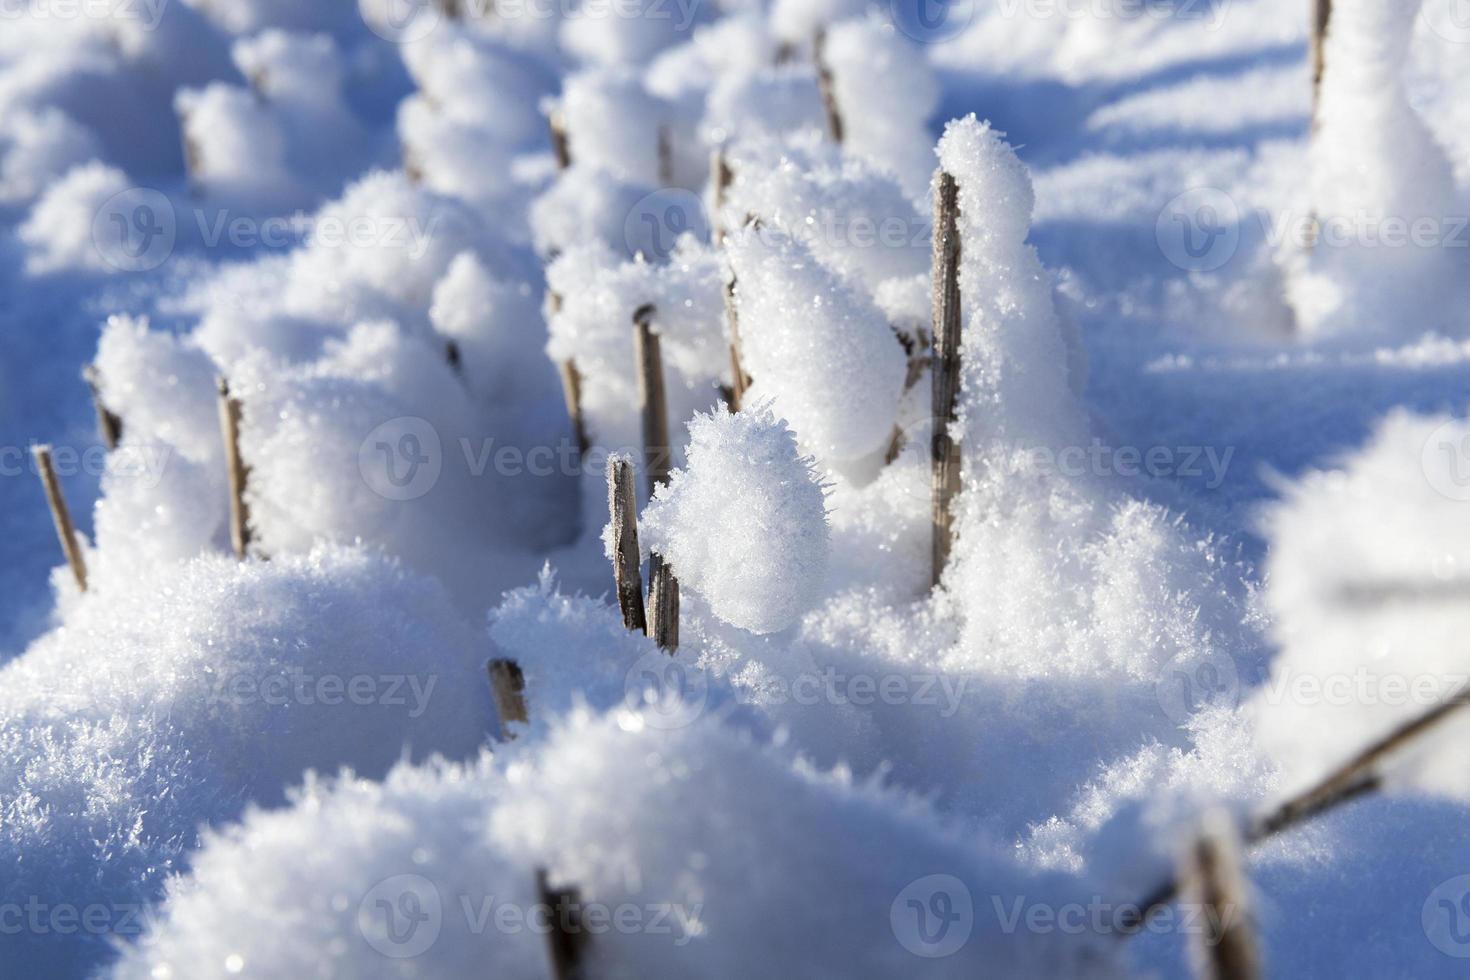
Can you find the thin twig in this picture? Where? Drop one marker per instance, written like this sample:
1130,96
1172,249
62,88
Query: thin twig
622,505
827,87
1226,948
1353,779
946,377
229,421
109,425
566,940
508,687
66,532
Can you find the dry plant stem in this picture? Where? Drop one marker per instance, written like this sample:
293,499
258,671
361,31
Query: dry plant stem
653,406
66,533
1321,18
1227,946
825,85
229,423
663,604
109,425
946,304
508,687
723,177
571,387
622,505
566,939
561,146
739,380
1355,778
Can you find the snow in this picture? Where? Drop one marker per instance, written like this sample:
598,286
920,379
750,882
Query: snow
819,350
1364,576
1208,536
745,523
171,699
466,842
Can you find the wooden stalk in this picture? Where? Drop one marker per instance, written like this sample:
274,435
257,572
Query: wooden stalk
622,504
1321,18
663,604
1226,949
566,940
229,422
653,405
946,376
109,425
739,380
561,145
508,687
66,532
722,177
571,387
827,88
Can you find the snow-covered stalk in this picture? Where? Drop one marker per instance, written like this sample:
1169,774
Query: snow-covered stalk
508,687
1321,17
946,452
663,604
565,939
653,405
824,84
1226,949
622,505
109,425
560,145
229,423
571,387
722,176
739,380
60,515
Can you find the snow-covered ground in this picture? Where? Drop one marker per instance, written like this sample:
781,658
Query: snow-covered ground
1210,539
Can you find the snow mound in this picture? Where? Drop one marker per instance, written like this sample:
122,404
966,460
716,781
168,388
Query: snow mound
660,828
744,523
